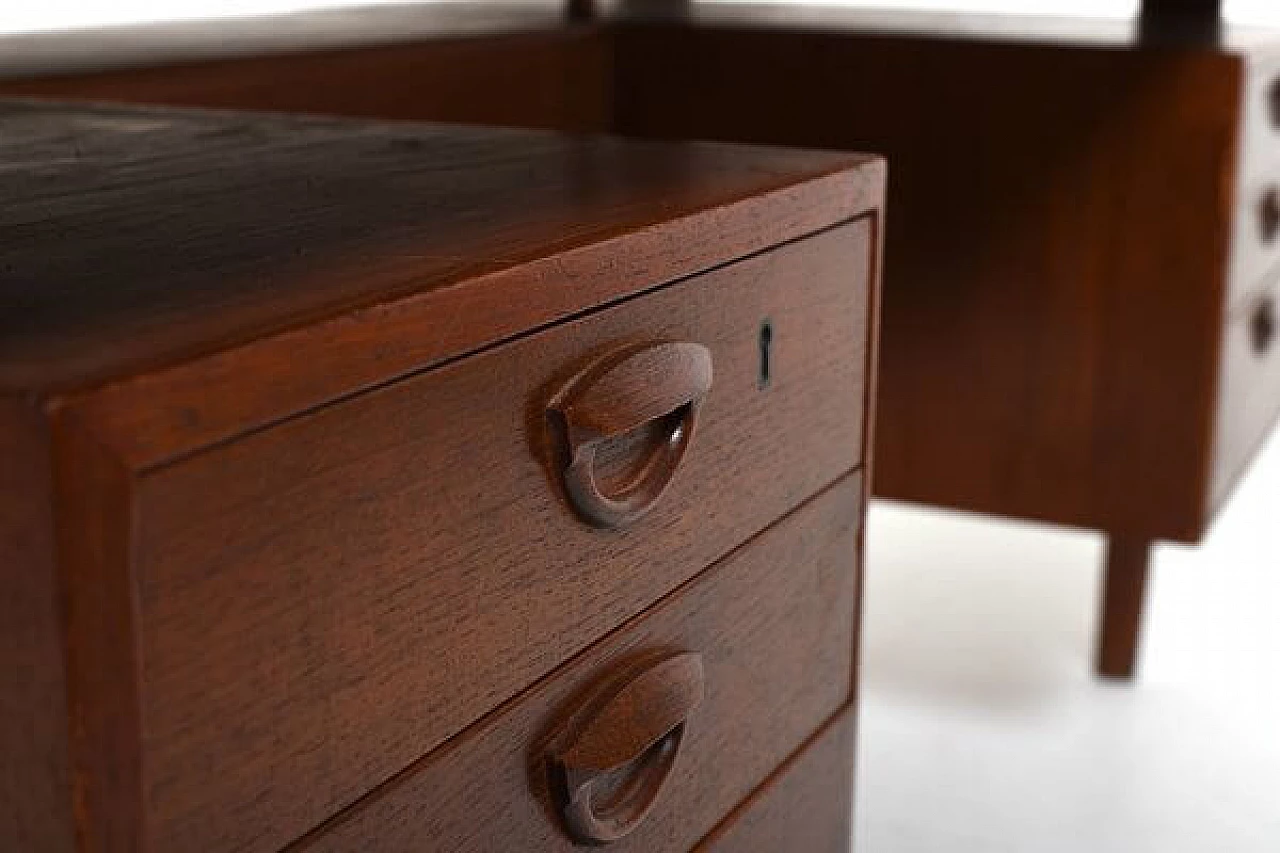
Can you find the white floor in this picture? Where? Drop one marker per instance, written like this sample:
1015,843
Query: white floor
983,730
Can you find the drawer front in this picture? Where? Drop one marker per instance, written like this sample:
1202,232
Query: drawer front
774,628
324,602
1249,389
807,805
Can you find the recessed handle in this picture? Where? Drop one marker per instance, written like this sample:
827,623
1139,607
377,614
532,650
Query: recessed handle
617,394
614,756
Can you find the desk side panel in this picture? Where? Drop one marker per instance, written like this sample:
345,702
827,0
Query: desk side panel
35,811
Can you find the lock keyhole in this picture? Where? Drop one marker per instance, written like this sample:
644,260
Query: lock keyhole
766,354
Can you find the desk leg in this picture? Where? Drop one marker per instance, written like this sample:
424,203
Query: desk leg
1123,595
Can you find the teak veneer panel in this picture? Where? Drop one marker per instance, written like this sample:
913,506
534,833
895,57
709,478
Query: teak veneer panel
196,231
225,285
552,78
240,279
35,779
806,805
1057,266
407,548
1035,303
774,623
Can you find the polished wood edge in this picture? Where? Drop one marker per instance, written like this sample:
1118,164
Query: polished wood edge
841,724
156,418
875,284
35,777
94,499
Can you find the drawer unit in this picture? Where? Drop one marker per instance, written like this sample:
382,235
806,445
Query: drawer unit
408,548
759,651
357,469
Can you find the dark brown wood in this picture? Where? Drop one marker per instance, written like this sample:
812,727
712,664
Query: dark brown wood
661,385
612,756
774,620
486,63
1060,335
1036,331
320,541
161,278
1123,593
455,464
298,331
35,778
1066,392
94,495
553,79
805,805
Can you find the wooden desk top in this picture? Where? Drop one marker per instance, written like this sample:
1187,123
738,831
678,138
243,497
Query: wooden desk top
134,238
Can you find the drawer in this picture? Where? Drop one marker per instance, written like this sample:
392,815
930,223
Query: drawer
772,628
324,602
1248,389
807,805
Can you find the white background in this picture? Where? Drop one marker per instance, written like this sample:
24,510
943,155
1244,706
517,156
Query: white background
22,16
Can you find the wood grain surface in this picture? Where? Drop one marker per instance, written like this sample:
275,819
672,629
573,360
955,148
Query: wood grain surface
408,548
806,805
285,505
554,78
773,620
1124,589
195,230
95,498
35,777
1054,295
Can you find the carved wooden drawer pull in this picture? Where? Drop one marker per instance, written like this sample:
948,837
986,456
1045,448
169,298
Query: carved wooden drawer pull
613,756
662,383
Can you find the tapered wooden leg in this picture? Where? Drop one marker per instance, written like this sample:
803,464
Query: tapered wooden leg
1123,592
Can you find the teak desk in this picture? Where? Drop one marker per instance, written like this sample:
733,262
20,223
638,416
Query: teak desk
389,487
1081,294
